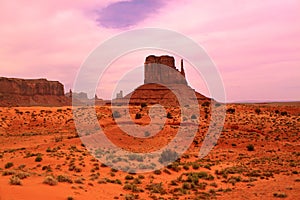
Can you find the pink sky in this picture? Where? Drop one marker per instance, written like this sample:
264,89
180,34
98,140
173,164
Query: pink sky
255,44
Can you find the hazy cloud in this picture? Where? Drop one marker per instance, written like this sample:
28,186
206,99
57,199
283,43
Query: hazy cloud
127,13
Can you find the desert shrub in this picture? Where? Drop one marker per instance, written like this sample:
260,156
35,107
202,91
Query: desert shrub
70,198
50,180
47,168
195,166
217,104
8,165
62,178
230,170
8,173
230,110
22,166
132,187
277,111
79,181
205,104
212,191
38,158
58,139
193,116
157,172
186,167
129,177
118,181
250,147
156,188
22,175
138,116
168,155
280,195
284,113
186,186
214,184
257,111
141,176
116,114
194,176
130,197
174,166
15,181
143,105
166,171
169,115
147,134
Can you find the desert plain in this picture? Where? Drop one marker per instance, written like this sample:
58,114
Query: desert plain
256,156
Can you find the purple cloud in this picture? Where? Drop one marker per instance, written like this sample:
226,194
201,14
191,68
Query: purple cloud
127,13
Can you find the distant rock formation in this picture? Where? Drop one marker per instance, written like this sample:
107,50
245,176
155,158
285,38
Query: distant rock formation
82,96
32,92
156,72
162,82
120,95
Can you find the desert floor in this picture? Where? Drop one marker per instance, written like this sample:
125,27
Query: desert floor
256,157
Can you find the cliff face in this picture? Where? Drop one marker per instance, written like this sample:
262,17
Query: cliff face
161,69
30,87
22,92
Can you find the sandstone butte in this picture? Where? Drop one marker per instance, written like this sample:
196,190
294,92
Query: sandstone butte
162,80
163,83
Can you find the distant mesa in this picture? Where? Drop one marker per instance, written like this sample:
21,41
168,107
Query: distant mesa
31,92
161,77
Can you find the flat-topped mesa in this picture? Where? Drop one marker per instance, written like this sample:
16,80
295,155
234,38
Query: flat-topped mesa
32,92
30,87
162,70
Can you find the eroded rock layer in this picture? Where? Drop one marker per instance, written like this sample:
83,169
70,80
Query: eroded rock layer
32,92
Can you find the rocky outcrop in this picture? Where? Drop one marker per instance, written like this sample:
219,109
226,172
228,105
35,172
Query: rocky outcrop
158,94
161,85
32,92
30,87
162,70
